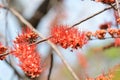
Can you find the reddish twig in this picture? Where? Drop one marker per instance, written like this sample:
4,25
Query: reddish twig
43,40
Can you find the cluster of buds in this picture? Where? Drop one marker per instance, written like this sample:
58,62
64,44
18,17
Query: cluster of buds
114,32
106,1
2,51
67,37
100,34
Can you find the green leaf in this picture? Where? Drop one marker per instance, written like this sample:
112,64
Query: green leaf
112,53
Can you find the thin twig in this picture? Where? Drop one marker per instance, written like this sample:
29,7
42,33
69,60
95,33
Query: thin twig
93,15
103,38
52,45
51,66
43,40
112,6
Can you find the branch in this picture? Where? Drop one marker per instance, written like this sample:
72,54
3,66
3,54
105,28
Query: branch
93,15
51,66
103,38
43,40
52,45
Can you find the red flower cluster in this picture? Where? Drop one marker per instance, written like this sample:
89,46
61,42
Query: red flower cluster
100,34
68,37
27,36
106,1
29,58
2,51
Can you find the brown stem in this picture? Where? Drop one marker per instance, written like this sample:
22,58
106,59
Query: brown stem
112,6
42,40
51,66
103,38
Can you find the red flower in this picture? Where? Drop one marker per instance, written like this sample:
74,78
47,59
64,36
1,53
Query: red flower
29,58
68,37
27,36
2,51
